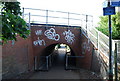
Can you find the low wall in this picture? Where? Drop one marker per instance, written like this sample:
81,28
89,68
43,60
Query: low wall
100,64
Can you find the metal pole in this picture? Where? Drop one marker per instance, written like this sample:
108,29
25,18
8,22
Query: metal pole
35,61
92,21
23,13
116,69
86,22
110,47
68,19
66,62
47,62
50,60
98,41
46,17
29,20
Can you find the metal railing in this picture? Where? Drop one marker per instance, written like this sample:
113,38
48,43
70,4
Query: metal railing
69,60
101,41
44,64
57,17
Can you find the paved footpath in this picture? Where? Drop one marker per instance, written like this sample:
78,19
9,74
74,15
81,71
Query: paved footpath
58,72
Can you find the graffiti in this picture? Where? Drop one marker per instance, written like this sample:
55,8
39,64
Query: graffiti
69,36
85,46
38,32
39,42
51,34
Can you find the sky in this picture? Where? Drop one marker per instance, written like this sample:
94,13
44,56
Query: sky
90,7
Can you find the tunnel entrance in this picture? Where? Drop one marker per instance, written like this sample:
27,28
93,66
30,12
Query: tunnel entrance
57,55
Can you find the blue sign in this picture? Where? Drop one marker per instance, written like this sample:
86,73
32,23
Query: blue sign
109,11
115,4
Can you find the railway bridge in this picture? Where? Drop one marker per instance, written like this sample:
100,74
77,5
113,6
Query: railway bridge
37,52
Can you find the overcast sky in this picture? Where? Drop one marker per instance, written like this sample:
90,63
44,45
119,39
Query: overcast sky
90,7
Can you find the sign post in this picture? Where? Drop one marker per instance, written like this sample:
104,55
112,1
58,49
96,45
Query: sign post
110,47
109,10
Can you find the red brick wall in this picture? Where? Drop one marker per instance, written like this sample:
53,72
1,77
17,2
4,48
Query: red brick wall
17,58
76,46
87,51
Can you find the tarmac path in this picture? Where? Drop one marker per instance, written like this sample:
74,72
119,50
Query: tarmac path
57,71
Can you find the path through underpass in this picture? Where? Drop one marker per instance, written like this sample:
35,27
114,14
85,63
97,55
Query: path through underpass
57,71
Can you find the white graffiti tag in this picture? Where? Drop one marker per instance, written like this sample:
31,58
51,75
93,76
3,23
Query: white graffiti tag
39,42
69,36
38,32
85,46
51,34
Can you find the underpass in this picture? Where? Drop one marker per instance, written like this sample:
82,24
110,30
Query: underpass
58,70
37,53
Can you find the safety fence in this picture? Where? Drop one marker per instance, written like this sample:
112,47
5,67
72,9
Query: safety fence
42,16
101,42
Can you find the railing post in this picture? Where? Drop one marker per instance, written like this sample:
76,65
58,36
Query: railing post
35,61
29,21
98,41
115,61
50,60
23,13
66,62
86,23
68,18
47,62
92,22
46,17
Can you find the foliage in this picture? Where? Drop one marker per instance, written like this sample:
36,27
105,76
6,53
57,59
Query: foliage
12,23
103,25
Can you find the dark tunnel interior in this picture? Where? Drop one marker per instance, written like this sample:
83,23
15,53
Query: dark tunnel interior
56,54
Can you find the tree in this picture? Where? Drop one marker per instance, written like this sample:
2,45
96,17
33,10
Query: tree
103,25
12,23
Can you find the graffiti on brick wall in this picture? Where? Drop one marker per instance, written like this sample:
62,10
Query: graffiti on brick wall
51,34
38,32
69,36
39,42
85,46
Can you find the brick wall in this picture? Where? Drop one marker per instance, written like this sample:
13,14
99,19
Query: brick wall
17,57
76,45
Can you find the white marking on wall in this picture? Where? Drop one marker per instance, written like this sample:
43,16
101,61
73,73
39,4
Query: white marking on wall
69,36
38,32
39,42
85,46
51,34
